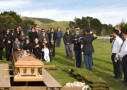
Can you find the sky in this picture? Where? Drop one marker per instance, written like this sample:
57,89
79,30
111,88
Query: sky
107,11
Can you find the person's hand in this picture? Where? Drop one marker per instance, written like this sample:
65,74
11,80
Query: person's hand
94,35
9,42
68,43
18,49
27,50
52,41
37,46
3,40
120,58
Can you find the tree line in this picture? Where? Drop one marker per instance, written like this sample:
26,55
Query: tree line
10,19
93,23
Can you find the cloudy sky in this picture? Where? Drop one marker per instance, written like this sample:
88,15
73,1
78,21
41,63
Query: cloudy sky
108,11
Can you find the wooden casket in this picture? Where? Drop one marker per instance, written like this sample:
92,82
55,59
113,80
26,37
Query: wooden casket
27,68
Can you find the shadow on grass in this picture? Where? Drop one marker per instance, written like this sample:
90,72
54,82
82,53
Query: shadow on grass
115,84
101,60
103,68
63,60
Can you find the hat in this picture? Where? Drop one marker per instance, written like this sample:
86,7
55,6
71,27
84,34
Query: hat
77,28
87,30
67,29
116,32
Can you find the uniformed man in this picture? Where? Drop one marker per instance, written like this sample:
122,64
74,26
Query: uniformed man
88,49
77,47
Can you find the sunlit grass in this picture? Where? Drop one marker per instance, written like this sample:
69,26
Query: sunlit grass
102,65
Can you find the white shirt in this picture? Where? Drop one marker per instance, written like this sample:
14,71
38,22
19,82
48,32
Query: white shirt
116,44
123,50
46,54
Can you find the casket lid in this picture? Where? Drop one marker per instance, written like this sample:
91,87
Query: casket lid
29,61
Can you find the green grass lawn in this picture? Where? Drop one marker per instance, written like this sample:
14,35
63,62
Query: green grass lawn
102,66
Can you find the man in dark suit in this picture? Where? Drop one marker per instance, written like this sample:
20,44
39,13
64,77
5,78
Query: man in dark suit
32,35
88,49
2,40
52,40
8,45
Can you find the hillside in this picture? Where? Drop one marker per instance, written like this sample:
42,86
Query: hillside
43,20
48,23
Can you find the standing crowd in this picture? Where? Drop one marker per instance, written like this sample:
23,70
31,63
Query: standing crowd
119,53
42,43
37,41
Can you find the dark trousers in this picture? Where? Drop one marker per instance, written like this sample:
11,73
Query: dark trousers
58,42
37,53
8,53
42,55
78,57
52,50
1,53
124,65
69,50
117,67
88,61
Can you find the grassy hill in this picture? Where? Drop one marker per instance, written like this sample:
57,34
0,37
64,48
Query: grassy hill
43,20
48,23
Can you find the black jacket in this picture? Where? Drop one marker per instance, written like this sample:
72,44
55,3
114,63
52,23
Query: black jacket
17,34
28,47
1,41
50,38
32,36
13,36
68,38
8,38
47,45
36,49
87,44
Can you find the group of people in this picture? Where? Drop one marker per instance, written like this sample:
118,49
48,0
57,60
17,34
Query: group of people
37,41
82,43
42,43
119,53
